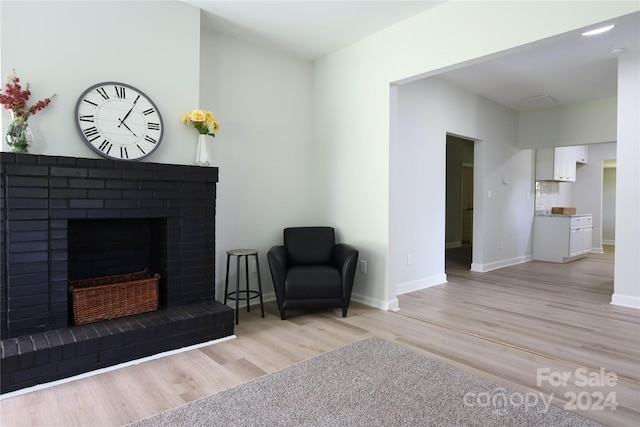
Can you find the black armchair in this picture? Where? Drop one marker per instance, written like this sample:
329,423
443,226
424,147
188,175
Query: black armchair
311,270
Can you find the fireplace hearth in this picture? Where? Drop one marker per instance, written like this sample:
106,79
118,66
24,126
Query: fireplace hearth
72,218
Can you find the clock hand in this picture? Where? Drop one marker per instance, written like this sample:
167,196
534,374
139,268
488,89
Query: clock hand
125,125
127,115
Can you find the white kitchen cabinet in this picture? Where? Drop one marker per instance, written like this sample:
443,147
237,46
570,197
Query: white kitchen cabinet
561,238
582,154
556,164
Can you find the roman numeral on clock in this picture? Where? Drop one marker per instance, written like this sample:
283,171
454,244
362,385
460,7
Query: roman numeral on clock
86,118
120,92
102,92
92,131
148,111
123,153
149,139
105,147
153,126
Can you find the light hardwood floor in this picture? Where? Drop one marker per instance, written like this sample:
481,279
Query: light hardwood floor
502,325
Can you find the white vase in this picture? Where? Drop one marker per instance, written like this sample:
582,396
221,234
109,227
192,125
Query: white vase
202,154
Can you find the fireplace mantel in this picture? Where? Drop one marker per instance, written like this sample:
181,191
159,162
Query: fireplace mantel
40,195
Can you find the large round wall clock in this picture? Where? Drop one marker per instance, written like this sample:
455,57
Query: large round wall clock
118,121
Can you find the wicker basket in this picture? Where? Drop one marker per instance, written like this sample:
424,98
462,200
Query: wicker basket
110,297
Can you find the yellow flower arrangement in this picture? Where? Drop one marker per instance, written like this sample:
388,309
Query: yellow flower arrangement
202,121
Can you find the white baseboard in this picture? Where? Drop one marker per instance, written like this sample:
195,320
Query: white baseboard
609,242
393,305
483,268
597,250
416,285
373,302
625,301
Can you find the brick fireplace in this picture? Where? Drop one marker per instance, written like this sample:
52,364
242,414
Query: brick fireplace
71,218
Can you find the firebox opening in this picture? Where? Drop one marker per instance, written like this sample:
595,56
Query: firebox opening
105,247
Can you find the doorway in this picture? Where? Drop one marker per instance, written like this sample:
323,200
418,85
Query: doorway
459,203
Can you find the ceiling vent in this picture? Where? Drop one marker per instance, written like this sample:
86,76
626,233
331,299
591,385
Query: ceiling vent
537,101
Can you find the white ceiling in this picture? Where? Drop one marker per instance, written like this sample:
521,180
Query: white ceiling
562,70
306,28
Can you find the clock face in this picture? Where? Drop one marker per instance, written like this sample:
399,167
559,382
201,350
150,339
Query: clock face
118,121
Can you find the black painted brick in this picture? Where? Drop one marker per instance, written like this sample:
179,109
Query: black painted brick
25,181
58,255
67,213
86,203
137,175
9,348
137,194
27,236
86,163
68,193
71,172
16,192
105,173
68,343
28,246
20,225
55,345
120,204
104,194
26,170
78,365
27,257
58,182
86,183
121,185
26,214
105,213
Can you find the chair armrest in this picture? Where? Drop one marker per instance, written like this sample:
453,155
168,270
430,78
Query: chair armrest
277,257
345,257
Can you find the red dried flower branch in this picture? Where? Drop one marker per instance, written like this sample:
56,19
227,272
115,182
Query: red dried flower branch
15,98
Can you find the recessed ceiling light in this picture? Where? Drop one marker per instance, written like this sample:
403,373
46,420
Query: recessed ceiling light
598,31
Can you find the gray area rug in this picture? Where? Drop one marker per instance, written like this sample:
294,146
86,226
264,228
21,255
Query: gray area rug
367,383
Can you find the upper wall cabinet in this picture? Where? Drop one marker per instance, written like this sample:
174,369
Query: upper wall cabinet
582,154
556,164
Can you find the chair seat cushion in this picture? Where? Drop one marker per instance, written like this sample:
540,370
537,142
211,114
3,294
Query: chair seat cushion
313,281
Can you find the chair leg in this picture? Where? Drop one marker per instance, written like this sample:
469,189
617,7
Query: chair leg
226,282
237,290
259,285
246,275
282,315
344,311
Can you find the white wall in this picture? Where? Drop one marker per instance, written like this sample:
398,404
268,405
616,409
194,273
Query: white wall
262,99
67,46
576,124
587,191
627,267
352,95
